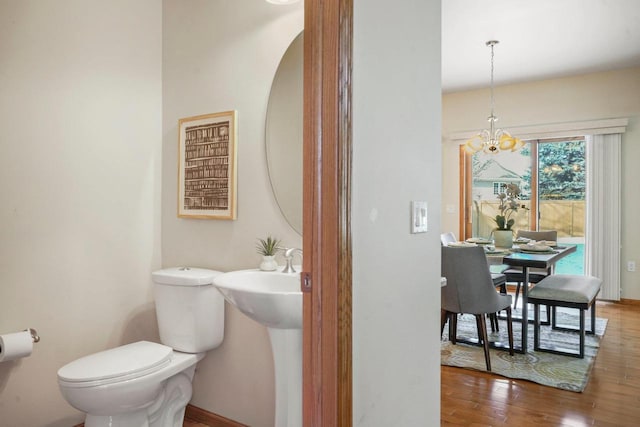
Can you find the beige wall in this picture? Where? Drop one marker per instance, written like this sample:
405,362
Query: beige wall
80,113
221,55
586,97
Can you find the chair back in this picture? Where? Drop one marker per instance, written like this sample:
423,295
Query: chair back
447,238
469,286
551,235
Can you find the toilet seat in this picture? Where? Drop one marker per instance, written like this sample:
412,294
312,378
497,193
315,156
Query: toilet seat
118,364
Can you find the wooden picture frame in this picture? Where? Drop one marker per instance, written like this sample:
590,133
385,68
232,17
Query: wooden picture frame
207,166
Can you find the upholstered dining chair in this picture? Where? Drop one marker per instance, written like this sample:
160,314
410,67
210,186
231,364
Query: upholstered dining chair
470,290
514,274
448,237
499,279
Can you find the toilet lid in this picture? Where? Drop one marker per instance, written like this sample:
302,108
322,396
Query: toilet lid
125,362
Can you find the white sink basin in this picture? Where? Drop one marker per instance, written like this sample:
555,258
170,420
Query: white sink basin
271,298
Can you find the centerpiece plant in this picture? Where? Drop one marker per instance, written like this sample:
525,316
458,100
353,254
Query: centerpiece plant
508,206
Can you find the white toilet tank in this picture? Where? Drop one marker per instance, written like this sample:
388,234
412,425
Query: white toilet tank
190,310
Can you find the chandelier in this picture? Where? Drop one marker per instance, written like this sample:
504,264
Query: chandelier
492,140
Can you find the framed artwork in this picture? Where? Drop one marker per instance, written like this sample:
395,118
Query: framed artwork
207,166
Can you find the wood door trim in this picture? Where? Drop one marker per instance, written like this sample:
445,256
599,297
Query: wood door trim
534,199
465,175
327,375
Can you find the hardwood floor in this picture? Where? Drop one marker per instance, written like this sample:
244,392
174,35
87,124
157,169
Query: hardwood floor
611,398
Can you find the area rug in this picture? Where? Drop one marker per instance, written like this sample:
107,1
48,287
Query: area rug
564,372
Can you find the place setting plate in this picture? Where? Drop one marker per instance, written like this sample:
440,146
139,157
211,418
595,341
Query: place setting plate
521,240
536,249
479,241
461,244
497,251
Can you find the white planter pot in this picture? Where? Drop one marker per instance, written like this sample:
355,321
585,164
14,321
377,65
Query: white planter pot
503,238
268,263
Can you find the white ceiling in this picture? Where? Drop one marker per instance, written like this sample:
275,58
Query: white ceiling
539,39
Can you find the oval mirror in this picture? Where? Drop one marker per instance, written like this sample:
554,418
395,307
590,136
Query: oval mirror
284,134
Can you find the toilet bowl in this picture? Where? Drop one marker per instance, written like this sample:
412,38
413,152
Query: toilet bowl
146,384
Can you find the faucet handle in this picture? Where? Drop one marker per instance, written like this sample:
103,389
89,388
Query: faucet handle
289,252
288,257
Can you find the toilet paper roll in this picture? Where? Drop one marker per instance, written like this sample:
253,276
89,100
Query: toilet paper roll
15,345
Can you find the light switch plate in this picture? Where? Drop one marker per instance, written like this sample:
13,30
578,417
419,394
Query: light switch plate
418,217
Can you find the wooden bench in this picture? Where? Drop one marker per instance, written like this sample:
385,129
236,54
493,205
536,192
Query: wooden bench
564,290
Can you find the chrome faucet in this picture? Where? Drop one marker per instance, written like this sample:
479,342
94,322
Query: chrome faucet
288,257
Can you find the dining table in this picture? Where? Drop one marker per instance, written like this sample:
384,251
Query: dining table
516,257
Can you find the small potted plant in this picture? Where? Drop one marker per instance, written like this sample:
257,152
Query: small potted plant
503,234
268,248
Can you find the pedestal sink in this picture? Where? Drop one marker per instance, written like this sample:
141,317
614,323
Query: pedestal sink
274,300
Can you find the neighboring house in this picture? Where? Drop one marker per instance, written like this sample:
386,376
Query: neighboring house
490,178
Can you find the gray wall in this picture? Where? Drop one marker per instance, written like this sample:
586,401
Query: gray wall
397,157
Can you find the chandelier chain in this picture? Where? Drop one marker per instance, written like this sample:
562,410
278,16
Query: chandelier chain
492,43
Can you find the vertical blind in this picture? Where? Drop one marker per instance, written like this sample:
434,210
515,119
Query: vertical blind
602,249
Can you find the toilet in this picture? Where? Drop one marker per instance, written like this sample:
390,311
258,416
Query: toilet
147,384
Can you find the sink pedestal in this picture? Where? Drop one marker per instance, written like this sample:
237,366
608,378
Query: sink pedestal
286,345
274,299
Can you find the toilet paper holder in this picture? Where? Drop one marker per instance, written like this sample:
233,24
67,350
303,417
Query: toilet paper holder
34,335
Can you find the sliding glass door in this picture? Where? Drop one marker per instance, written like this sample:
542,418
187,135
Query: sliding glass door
561,195
550,175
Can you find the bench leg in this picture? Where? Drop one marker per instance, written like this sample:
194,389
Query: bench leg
553,349
555,326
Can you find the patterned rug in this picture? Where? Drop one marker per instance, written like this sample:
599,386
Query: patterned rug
564,372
